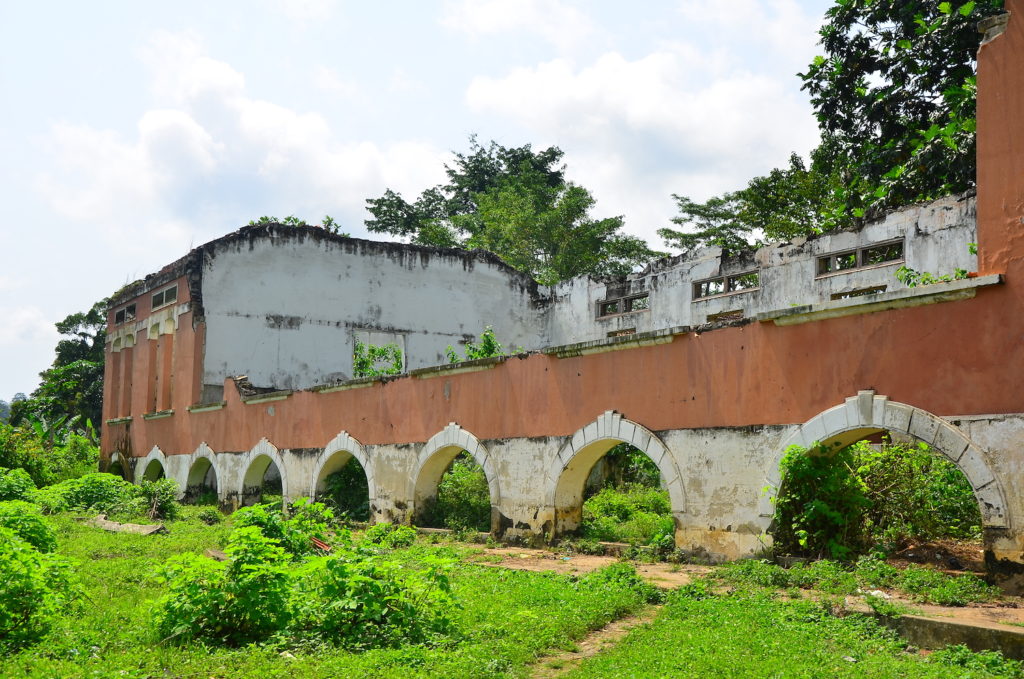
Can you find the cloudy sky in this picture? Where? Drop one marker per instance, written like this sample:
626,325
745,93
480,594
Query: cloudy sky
132,131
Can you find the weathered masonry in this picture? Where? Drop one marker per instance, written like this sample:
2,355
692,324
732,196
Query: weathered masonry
239,355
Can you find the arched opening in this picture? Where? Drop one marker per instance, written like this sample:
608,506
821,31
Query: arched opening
453,492
154,471
202,487
342,483
616,481
117,468
263,482
877,476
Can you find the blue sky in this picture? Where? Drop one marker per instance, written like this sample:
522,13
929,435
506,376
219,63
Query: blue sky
132,131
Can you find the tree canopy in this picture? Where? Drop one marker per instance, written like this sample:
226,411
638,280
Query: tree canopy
516,203
894,95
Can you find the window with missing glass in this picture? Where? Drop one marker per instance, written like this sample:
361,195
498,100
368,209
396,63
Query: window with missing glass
723,285
623,305
871,255
124,314
165,296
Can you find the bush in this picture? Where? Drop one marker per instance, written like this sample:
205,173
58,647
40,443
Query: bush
210,516
15,484
34,589
621,575
27,522
390,536
347,492
637,514
351,599
463,500
160,498
308,520
44,462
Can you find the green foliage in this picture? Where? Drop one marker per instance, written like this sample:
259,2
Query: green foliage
991,663
844,503
487,347
210,515
831,577
34,589
46,462
463,501
819,509
347,492
390,535
754,634
15,484
895,97
622,575
327,223
100,492
160,498
515,203
637,514
293,531
27,522
913,278
370,360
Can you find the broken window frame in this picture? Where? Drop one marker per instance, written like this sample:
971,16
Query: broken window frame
722,286
163,301
618,306
125,314
835,263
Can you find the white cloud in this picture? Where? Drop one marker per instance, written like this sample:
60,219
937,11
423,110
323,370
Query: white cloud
26,325
329,81
556,22
211,157
305,11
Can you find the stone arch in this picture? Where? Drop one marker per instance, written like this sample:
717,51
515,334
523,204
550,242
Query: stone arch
202,463
336,455
568,471
867,413
434,458
119,466
150,467
255,463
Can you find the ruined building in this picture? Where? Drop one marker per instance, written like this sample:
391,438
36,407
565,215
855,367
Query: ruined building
239,356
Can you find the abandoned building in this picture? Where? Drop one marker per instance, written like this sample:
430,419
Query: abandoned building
238,356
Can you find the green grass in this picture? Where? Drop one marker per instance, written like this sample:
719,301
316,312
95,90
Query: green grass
505,621
752,634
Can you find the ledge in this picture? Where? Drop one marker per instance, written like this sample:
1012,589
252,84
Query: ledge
206,407
882,301
268,397
355,383
158,415
642,339
472,366
119,420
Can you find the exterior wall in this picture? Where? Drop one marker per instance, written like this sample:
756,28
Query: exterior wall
714,404
936,237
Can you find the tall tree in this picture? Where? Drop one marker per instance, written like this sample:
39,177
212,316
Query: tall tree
516,203
71,391
894,95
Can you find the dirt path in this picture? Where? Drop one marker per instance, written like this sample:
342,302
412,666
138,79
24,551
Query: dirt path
665,575
549,666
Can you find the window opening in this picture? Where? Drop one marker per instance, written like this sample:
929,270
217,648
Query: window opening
741,282
872,255
124,315
859,292
623,305
165,296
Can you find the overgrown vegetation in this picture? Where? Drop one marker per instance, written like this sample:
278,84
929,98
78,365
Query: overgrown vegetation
347,492
370,360
487,347
752,633
463,501
626,502
868,573
848,502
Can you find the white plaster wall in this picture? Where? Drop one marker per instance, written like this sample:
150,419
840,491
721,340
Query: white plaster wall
282,309
936,241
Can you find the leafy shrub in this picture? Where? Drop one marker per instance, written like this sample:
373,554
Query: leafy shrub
244,599
351,598
360,602
15,484
937,588
27,522
308,520
621,575
34,589
487,347
637,514
390,536
370,360
463,501
347,492
990,662
160,498
44,461
210,515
